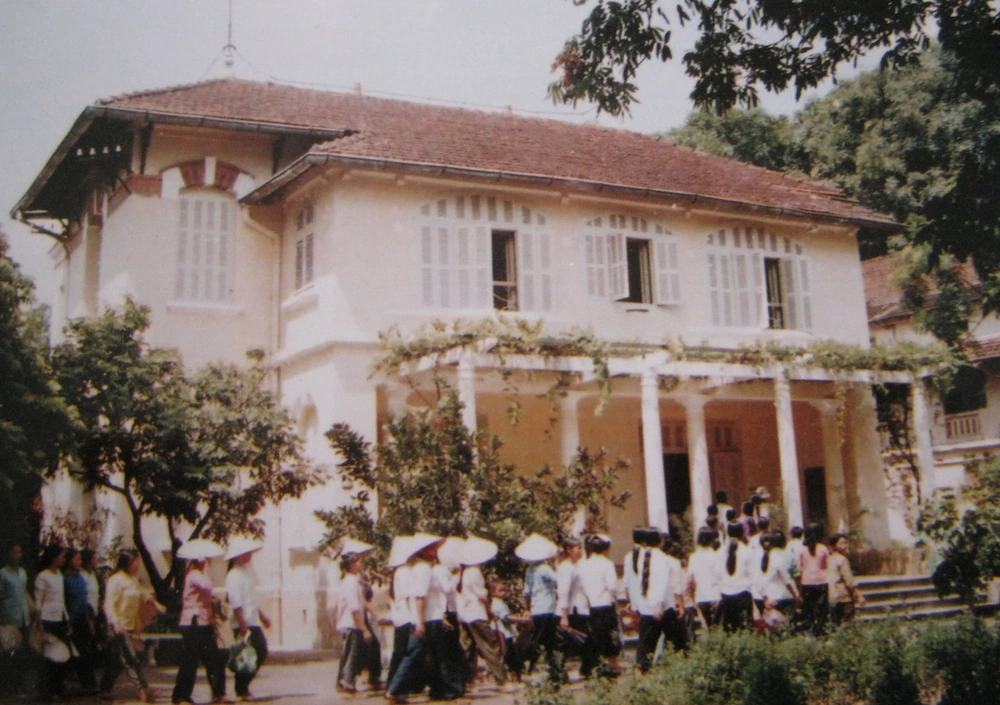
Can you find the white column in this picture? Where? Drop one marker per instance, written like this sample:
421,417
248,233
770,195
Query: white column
697,443
792,493
833,465
467,392
569,419
652,448
922,439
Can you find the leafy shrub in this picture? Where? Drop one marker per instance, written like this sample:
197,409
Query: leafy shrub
870,663
723,669
962,660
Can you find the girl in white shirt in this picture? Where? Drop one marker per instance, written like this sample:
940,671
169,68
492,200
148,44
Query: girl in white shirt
780,591
351,622
600,585
736,604
706,570
572,605
50,601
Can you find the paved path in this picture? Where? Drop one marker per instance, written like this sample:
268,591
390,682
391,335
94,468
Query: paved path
306,683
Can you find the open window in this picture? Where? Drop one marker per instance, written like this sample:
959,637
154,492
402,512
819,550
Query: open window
758,280
504,243
628,259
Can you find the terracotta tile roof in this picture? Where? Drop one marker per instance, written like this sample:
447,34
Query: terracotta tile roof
884,299
982,349
419,134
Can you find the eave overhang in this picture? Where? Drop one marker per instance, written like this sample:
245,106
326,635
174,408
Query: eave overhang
274,188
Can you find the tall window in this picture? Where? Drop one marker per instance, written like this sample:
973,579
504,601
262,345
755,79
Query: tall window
630,259
758,280
204,268
484,252
504,271
304,247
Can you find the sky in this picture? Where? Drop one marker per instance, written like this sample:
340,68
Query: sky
58,57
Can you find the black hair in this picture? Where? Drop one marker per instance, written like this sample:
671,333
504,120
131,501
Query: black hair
70,553
706,536
763,523
778,539
730,515
49,555
731,558
88,555
713,510
596,544
813,535
836,537
766,543
796,532
721,497
124,560
748,508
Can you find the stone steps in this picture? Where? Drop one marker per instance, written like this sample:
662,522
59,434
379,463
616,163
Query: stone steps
908,597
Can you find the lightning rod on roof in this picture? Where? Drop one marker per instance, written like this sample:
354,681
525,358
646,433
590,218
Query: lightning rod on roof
229,50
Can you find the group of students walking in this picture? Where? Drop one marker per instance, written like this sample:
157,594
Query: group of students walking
446,616
68,623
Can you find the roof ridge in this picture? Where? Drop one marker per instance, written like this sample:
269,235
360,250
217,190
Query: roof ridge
167,89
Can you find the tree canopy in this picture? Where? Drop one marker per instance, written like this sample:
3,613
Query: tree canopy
432,474
202,453
745,45
34,421
908,143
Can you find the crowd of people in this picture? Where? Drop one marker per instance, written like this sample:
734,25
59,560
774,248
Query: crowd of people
447,608
742,574
72,623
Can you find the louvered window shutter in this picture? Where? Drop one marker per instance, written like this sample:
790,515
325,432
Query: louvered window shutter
443,262
545,271
427,266
526,277
759,302
484,268
617,266
807,323
464,266
668,286
788,275
595,251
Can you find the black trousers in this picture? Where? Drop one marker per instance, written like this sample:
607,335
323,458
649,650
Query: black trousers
199,646
736,611
815,604
650,630
400,637
55,673
258,641
119,654
604,631
86,646
586,650
545,635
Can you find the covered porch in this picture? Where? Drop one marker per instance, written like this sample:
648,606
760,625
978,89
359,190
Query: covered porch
690,428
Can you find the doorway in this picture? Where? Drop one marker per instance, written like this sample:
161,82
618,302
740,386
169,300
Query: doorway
677,478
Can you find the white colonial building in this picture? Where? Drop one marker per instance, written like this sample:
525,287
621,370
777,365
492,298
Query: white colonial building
306,223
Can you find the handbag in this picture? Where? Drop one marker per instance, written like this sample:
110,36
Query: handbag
242,658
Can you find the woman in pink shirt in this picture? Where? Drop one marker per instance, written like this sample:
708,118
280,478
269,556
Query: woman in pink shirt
197,626
813,581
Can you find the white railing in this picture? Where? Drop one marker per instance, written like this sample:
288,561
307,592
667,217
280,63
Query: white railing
963,427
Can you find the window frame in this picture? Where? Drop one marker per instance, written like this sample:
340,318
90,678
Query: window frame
304,262
611,244
746,292
205,248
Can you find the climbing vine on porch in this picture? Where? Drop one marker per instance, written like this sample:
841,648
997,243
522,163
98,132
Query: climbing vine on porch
504,337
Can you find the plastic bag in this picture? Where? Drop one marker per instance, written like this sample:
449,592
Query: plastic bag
242,658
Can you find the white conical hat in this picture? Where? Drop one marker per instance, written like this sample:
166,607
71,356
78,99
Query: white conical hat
409,545
477,551
452,551
396,553
352,545
536,548
200,550
239,546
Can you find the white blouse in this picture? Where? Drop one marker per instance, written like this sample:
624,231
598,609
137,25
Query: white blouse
50,596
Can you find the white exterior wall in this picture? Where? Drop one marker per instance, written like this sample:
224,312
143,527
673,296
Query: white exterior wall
367,279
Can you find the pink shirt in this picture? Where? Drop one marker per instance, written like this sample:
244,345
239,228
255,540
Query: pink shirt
813,568
197,600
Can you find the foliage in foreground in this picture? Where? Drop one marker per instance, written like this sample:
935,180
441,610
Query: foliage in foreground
432,474
201,453
34,421
887,663
966,530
